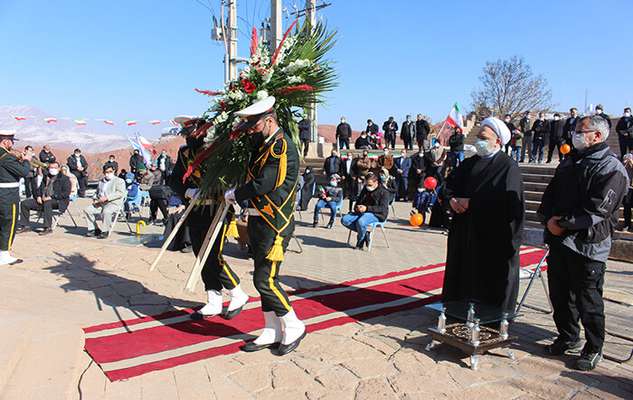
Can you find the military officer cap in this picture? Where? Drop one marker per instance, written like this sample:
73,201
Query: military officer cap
253,113
183,119
7,134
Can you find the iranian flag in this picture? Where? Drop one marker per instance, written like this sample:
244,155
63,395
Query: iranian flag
144,146
108,122
50,120
155,122
130,123
454,119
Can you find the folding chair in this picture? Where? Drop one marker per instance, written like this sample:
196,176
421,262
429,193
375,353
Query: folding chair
538,272
116,219
372,229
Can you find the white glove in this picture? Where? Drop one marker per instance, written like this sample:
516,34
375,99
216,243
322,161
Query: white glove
191,193
229,196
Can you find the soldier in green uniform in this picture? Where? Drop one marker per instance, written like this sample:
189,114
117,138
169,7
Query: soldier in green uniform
216,273
13,166
270,191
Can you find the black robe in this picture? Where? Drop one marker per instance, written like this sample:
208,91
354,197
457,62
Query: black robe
482,262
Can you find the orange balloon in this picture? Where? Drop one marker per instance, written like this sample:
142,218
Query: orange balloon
565,148
416,219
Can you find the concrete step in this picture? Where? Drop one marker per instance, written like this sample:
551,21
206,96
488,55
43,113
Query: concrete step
537,178
538,169
534,186
533,196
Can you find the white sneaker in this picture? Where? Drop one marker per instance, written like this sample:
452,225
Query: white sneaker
214,305
7,259
238,299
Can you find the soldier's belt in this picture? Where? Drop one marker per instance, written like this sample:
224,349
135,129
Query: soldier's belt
8,185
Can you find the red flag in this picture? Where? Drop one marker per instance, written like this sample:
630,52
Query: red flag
50,120
155,122
19,118
130,123
108,122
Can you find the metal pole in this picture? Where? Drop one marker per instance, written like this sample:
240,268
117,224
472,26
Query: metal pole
312,112
232,39
226,45
276,22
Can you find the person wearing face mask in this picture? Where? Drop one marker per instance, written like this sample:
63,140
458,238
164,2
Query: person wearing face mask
570,125
362,142
525,127
579,209
600,112
79,167
270,194
13,166
407,133
372,128
343,134
164,165
624,128
402,167
372,206
390,127
540,130
53,194
330,196
422,129
485,194
216,273
556,127
137,162
333,164
456,143
107,201
417,171
112,163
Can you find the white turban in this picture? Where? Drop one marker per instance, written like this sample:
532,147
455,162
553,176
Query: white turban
500,128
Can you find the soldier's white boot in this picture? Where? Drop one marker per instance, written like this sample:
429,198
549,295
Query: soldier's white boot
238,300
293,332
271,334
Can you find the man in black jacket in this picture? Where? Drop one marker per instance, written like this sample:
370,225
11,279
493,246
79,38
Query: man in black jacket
422,130
580,209
456,143
624,128
111,163
570,125
372,206
407,133
555,137
600,112
525,127
305,135
46,155
53,194
540,130
332,164
79,167
137,163
390,127
372,128
343,134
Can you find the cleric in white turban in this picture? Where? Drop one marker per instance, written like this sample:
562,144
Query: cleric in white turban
485,196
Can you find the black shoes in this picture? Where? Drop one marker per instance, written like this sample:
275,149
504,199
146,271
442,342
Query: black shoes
232,314
315,223
588,361
559,348
102,235
45,231
330,224
251,347
94,233
22,229
284,349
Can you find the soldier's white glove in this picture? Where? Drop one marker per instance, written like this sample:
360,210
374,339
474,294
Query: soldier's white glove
191,193
229,196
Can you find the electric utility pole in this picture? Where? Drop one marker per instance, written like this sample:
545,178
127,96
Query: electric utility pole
312,112
276,22
232,43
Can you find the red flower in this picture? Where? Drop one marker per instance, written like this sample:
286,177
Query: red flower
296,88
222,105
234,135
249,87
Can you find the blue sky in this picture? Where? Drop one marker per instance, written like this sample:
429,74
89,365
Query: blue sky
141,59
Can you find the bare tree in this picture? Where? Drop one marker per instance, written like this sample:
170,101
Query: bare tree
510,87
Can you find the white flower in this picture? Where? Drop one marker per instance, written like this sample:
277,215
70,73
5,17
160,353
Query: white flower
268,76
295,79
236,95
210,135
262,94
221,118
297,65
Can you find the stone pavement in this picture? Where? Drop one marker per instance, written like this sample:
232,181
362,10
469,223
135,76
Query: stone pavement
68,282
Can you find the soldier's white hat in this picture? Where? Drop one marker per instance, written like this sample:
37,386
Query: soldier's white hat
181,119
7,134
257,108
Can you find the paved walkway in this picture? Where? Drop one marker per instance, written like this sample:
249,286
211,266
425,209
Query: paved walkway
69,282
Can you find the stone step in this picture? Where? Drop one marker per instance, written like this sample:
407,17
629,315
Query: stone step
537,169
533,196
534,186
536,178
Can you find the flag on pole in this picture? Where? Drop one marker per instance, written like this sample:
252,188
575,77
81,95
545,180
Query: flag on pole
454,119
144,146
50,120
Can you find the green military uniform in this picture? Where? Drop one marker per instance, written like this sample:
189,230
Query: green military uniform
11,170
270,190
216,273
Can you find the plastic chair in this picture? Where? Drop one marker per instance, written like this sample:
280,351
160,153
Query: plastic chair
372,228
339,210
120,212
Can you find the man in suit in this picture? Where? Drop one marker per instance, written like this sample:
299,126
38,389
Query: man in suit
570,125
525,127
390,127
343,134
540,129
52,194
422,129
407,133
107,202
305,135
79,167
556,127
403,165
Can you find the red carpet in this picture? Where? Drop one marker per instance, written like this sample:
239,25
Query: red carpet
134,347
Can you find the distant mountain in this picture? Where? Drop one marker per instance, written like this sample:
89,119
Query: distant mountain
95,136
